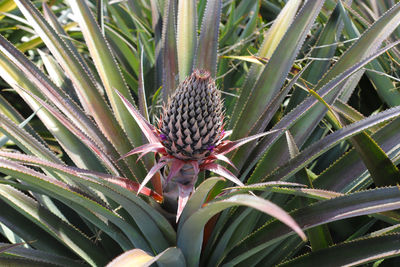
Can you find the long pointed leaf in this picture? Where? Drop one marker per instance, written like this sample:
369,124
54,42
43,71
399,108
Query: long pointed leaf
78,152
169,50
273,37
151,173
208,41
274,74
147,129
86,207
218,169
58,97
64,232
186,37
110,188
327,91
357,204
107,68
197,199
323,145
83,81
190,236
364,47
7,109
40,256
357,252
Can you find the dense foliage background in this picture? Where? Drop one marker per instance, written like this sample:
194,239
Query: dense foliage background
322,76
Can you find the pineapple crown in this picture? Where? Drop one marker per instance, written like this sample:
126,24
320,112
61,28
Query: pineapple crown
191,126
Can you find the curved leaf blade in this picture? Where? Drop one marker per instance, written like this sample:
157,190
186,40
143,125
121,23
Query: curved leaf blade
62,231
348,206
39,256
191,234
357,252
311,152
327,92
86,207
197,199
139,258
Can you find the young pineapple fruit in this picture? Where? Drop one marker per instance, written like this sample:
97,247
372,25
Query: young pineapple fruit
192,122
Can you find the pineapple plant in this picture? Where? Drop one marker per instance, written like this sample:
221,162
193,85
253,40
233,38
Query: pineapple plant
199,133
190,136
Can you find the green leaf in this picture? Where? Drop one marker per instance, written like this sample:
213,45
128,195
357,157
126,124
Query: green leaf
27,143
78,152
368,43
319,236
38,238
242,154
383,84
327,92
104,159
169,51
350,167
191,234
156,12
124,49
365,46
252,24
5,139
6,6
58,76
325,48
381,168
263,186
357,252
84,82
267,85
186,37
107,68
6,261
318,194
67,43
352,205
39,256
150,222
65,233
5,247
231,25
206,55
148,227
9,111
51,91
316,149
141,89
89,209
197,199
45,87
350,114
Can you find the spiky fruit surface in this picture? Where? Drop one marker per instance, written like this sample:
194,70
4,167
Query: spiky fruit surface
193,120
